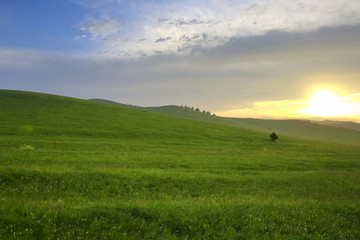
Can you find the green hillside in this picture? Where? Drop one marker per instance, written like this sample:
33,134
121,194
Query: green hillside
343,124
196,115
78,169
322,131
116,103
329,131
337,132
304,129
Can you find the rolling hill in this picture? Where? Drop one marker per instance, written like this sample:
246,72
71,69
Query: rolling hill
329,131
78,169
344,124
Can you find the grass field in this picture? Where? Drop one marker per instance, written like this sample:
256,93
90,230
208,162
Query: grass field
329,131
291,128
76,169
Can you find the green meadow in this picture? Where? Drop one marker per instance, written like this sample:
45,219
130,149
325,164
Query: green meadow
78,169
329,131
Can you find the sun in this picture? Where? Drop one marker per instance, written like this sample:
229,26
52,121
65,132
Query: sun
325,103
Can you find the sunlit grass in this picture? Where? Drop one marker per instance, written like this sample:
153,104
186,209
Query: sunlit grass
93,171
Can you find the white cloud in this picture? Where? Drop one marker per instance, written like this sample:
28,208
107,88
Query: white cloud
179,27
81,36
100,28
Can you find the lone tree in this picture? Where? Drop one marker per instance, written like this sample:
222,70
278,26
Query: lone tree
273,137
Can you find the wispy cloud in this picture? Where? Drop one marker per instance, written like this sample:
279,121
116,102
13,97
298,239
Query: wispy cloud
182,26
100,28
162,39
81,36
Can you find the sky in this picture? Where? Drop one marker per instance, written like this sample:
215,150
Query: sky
238,58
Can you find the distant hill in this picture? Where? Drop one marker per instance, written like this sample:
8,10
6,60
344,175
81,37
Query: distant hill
343,124
304,129
329,131
115,103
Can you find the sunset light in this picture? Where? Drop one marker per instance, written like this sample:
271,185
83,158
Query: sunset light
325,103
179,119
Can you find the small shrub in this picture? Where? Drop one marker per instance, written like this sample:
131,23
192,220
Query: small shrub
273,137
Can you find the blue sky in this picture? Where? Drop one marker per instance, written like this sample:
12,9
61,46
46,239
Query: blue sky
41,25
256,58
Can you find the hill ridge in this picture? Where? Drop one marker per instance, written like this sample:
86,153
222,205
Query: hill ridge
331,131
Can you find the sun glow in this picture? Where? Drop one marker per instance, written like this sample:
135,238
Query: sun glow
325,103
333,104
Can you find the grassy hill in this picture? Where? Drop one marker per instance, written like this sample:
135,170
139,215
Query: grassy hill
304,129
196,115
116,103
77,169
329,131
343,124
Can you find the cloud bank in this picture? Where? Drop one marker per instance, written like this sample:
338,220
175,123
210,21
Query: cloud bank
272,67
181,27
244,58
